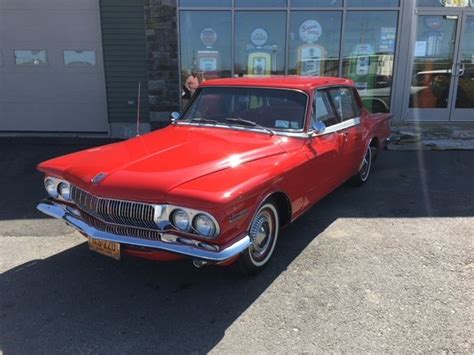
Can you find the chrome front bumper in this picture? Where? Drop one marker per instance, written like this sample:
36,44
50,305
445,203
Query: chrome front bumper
59,211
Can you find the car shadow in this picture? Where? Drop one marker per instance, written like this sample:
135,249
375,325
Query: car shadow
77,301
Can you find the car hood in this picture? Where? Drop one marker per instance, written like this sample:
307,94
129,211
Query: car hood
145,168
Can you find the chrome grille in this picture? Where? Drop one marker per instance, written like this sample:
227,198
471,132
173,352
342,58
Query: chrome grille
120,230
119,212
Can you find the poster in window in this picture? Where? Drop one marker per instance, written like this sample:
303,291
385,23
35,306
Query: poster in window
261,57
208,59
311,59
259,63
388,37
311,56
362,53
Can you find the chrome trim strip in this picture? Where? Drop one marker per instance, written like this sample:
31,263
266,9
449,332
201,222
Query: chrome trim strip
340,126
55,210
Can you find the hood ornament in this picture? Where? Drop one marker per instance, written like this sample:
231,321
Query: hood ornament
98,178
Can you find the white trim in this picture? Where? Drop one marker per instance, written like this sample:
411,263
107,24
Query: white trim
340,126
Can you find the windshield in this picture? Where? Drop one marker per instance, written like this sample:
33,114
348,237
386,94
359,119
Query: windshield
253,107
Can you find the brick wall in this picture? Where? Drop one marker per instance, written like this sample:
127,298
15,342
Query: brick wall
162,54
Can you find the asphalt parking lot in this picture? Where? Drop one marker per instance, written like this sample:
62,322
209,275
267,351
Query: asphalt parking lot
383,268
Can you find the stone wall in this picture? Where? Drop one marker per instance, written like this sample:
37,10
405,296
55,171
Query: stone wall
162,53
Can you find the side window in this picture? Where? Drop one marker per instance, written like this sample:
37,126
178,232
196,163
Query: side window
344,102
323,110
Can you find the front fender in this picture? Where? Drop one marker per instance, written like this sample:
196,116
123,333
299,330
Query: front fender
233,195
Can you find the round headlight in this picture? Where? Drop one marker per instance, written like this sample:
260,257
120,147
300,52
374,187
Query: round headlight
180,219
204,225
50,187
64,190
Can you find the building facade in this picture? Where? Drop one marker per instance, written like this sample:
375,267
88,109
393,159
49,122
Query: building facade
76,66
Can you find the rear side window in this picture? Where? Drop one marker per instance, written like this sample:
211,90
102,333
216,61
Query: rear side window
344,102
324,111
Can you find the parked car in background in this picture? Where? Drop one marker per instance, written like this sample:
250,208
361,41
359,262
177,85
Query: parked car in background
246,158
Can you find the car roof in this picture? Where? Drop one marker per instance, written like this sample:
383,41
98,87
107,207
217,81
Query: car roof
305,83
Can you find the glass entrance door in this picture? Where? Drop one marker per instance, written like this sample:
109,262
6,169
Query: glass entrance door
433,62
463,109
442,76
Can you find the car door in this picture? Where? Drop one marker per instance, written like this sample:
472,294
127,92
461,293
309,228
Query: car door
323,150
350,130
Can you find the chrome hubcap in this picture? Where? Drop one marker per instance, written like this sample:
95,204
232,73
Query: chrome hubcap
261,234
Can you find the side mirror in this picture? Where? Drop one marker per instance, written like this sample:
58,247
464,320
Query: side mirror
174,116
317,128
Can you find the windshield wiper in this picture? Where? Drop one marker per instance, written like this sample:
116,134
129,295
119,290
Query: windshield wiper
201,120
250,123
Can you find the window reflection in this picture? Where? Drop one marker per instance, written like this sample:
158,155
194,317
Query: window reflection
260,43
314,43
368,55
433,60
30,57
205,48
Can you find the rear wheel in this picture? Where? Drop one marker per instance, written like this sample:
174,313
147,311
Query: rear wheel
263,233
364,171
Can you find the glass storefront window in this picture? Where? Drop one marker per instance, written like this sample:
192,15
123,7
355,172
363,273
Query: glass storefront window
79,58
368,55
372,3
260,3
260,42
205,3
316,3
30,57
314,42
206,43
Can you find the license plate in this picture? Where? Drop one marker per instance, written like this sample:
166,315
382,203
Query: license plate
105,247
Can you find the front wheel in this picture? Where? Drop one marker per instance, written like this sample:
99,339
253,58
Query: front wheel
364,171
263,233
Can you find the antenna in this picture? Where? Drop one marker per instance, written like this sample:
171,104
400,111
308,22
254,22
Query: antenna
138,108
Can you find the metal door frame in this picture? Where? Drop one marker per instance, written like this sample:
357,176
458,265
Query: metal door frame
462,113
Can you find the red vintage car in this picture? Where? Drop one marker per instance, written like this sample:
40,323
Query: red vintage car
247,157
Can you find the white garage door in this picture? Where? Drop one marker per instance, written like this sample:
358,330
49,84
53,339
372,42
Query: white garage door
51,67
